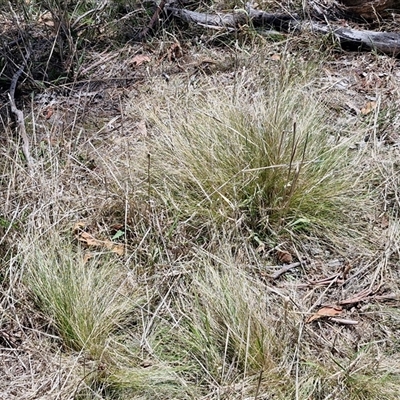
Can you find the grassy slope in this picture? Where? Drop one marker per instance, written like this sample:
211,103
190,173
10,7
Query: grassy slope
206,181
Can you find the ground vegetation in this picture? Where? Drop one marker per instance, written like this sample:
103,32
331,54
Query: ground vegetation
203,213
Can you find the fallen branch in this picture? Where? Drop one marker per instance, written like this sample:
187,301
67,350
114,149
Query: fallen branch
284,269
352,39
18,113
385,42
281,22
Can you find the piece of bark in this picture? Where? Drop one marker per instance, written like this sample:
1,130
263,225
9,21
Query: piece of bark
280,22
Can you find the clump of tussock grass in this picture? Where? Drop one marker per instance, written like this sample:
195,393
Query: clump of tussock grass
225,331
144,359
86,301
257,153
92,307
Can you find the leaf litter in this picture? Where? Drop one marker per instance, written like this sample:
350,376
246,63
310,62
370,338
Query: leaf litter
90,241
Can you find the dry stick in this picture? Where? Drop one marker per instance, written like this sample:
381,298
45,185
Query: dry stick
258,384
296,359
344,321
18,113
153,20
149,181
284,269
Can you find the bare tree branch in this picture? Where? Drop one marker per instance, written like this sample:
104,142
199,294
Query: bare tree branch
388,43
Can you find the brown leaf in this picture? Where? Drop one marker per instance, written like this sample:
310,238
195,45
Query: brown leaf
139,59
78,227
284,256
325,312
368,108
175,51
47,19
116,248
90,240
48,113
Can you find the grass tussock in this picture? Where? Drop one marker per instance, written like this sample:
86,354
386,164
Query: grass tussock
259,155
225,329
85,300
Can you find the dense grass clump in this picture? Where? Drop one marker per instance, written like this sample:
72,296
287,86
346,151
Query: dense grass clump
260,156
85,300
224,326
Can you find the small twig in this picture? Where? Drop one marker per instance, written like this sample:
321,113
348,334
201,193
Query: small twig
387,297
18,113
344,321
284,269
83,380
149,180
336,278
364,295
258,384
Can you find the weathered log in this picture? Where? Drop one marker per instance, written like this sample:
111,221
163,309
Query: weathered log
281,22
208,20
385,42
388,43
371,9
